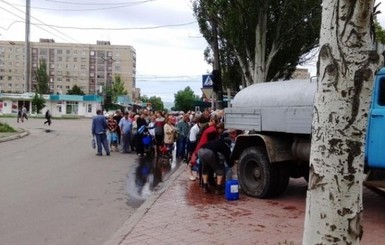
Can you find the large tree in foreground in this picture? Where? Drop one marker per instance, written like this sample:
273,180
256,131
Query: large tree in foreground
347,64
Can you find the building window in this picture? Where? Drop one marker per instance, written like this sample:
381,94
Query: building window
72,107
59,51
92,53
89,108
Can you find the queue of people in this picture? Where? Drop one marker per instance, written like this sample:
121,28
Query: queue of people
198,138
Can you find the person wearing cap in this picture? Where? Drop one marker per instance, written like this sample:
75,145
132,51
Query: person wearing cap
212,156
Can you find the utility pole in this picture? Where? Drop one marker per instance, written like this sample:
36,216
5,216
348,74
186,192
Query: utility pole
27,65
217,66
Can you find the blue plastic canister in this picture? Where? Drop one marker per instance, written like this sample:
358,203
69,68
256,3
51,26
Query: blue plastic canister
232,190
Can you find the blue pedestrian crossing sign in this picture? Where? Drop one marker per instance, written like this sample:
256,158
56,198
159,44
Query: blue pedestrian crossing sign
207,81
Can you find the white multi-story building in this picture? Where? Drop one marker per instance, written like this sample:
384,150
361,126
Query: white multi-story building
89,66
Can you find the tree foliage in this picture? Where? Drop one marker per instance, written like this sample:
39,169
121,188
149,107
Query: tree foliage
155,102
38,103
265,39
42,78
380,32
117,88
76,90
184,100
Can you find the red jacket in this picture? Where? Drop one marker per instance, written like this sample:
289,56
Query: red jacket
209,133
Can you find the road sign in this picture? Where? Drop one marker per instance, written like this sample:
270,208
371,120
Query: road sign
207,81
208,92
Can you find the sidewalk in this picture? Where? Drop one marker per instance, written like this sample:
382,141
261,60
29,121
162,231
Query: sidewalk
182,214
12,136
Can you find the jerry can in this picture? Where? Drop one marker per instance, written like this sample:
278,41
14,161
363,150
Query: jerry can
232,190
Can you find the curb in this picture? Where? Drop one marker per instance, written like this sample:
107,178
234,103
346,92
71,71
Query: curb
120,235
15,136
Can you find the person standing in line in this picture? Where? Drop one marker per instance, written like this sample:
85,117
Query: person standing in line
48,118
169,134
99,131
125,126
112,135
182,129
118,116
159,131
134,130
151,131
191,145
140,122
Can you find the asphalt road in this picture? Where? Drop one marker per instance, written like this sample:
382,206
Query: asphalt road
55,190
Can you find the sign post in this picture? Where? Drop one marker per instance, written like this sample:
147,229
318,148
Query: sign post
207,88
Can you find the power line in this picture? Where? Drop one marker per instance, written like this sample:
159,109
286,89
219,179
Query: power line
65,35
119,29
93,9
77,3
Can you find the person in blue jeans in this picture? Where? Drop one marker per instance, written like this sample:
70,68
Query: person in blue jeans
99,131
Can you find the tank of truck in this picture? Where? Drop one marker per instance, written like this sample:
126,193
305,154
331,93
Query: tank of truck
284,106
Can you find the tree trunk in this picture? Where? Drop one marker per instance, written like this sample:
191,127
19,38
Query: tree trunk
259,70
346,69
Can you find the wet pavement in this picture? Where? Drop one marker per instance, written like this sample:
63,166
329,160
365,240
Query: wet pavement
148,177
182,214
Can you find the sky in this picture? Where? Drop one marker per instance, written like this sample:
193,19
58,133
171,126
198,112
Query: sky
164,33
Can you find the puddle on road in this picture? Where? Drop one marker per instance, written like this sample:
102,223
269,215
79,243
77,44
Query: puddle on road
148,176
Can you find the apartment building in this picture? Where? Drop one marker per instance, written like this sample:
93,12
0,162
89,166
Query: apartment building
92,67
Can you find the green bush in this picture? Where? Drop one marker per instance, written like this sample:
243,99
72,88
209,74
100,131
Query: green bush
5,128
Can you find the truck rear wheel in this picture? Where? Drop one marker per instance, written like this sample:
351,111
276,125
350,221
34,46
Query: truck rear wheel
257,176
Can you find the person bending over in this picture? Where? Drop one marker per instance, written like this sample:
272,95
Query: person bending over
211,155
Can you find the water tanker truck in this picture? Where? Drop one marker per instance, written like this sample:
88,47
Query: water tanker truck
276,119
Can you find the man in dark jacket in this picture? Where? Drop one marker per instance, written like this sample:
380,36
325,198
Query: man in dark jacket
212,156
141,122
98,130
